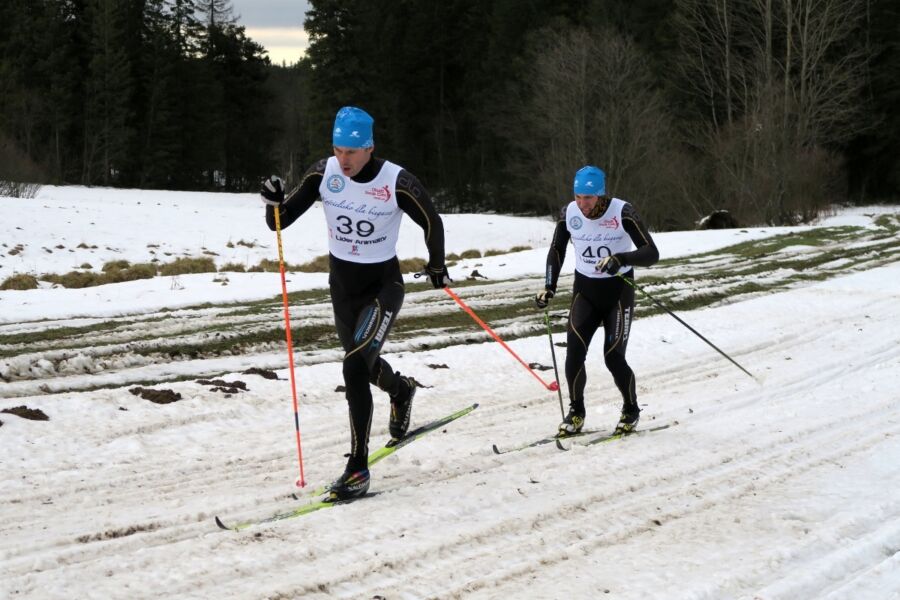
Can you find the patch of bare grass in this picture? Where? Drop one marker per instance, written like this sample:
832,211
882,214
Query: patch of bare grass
20,281
233,268
187,265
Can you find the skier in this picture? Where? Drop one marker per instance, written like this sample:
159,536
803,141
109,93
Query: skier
602,230
363,197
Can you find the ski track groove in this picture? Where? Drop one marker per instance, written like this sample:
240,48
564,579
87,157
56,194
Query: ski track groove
467,549
808,448
251,466
211,320
719,467
871,549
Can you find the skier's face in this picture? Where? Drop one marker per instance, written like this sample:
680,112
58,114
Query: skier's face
586,203
352,160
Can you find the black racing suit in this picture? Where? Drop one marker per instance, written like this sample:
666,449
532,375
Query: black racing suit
367,297
607,301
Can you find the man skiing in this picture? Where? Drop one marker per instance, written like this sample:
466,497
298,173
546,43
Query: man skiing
602,230
364,199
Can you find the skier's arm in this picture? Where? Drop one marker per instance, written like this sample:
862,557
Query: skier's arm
299,201
647,253
557,253
413,199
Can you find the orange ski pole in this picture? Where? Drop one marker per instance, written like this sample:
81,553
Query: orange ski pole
301,481
554,386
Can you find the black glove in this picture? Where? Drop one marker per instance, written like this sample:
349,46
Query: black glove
438,275
542,299
272,191
611,264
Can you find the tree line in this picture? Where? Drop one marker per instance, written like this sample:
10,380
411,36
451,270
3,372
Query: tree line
145,93
771,109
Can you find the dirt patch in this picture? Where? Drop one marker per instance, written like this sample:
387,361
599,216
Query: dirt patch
156,396
538,367
32,414
220,385
116,533
440,366
264,373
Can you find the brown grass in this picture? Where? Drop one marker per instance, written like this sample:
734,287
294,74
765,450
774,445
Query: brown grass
186,265
21,281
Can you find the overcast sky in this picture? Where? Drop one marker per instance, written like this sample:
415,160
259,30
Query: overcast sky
275,24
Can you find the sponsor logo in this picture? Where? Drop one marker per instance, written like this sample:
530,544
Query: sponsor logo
610,223
627,324
384,326
366,330
380,193
335,183
354,250
575,223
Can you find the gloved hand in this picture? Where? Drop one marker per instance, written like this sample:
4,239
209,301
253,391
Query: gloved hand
272,192
438,275
542,299
611,264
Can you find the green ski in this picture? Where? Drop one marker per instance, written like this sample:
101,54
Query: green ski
611,437
547,440
380,454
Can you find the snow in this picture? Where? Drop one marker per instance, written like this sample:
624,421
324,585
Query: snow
775,490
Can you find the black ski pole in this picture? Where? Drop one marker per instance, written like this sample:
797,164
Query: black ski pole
677,318
553,354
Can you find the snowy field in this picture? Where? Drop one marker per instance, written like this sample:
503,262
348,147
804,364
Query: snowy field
780,487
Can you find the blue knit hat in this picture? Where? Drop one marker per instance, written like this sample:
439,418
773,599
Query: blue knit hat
591,181
352,128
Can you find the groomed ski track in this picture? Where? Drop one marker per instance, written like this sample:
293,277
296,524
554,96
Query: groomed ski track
785,489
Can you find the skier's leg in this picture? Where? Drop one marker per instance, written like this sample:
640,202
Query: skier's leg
617,328
372,331
583,322
356,383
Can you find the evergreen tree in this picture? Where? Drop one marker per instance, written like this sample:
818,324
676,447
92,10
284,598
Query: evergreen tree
159,142
109,86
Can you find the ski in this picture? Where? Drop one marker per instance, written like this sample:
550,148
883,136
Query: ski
542,441
611,437
374,457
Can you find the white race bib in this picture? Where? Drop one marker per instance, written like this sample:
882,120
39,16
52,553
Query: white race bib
594,239
363,218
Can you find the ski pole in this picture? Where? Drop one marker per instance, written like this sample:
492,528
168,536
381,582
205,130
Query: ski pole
694,331
555,369
301,481
550,386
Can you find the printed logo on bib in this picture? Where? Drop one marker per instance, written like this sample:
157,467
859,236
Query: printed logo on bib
610,223
335,183
575,223
380,193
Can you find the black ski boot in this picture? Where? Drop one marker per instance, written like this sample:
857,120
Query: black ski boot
572,424
401,409
354,483
631,414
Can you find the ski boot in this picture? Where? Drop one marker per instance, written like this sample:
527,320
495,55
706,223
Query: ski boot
401,409
631,414
354,483
572,424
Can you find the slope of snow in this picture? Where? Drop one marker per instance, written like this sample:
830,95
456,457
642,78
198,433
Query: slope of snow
775,490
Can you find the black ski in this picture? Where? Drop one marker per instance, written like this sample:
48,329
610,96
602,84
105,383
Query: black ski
543,441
